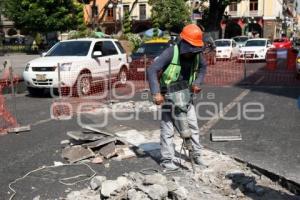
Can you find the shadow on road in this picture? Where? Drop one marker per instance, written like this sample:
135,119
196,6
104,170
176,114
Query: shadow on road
248,186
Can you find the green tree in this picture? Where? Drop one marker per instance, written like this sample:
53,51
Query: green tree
127,23
155,23
172,13
214,14
44,15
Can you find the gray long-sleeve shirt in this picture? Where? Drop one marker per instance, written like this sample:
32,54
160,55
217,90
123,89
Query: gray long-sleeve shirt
163,61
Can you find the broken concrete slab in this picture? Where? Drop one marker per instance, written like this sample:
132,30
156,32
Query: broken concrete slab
19,129
156,178
78,135
157,192
98,160
136,195
99,143
108,150
221,135
97,130
76,153
180,194
96,182
108,187
124,153
65,142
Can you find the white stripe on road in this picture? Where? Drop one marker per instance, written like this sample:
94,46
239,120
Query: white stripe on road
208,125
41,122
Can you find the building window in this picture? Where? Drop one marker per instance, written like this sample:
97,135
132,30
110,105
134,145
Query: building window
253,5
110,12
125,9
142,11
233,7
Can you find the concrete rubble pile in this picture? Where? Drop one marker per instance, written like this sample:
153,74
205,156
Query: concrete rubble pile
137,186
95,146
223,179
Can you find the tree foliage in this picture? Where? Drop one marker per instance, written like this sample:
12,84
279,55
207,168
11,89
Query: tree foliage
44,15
127,23
155,24
214,14
171,13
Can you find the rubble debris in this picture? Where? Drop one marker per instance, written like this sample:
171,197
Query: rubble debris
222,135
97,131
19,129
76,153
224,179
136,195
58,163
111,187
98,159
96,146
99,143
124,153
179,194
155,179
65,142
79,136
108,187
96,182
86,194
108,150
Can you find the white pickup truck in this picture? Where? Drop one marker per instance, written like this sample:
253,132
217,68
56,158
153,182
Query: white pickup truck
82,62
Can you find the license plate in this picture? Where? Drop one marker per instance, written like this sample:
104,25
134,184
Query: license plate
140,69
249,55
41,77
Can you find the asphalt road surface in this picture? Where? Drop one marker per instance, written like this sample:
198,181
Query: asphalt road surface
271,142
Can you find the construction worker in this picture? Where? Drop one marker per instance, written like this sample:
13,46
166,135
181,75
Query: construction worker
187,54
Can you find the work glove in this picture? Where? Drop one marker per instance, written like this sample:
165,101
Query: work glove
158,99
195,89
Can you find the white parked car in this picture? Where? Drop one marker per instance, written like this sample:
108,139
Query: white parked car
226,49
255,49
82,62
241,40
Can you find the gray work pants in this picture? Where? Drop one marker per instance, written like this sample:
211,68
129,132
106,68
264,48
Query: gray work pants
167,133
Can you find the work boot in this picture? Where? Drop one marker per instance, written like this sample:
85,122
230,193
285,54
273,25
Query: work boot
169,165
198,161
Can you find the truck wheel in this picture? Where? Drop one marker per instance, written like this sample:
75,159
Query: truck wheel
35,91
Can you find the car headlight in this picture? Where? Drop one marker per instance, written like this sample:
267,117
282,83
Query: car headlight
261,51
27,67
65,66
298,60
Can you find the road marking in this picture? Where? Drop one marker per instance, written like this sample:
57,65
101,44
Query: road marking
208,125
41,122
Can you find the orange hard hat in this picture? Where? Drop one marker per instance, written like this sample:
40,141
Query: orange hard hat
192,34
